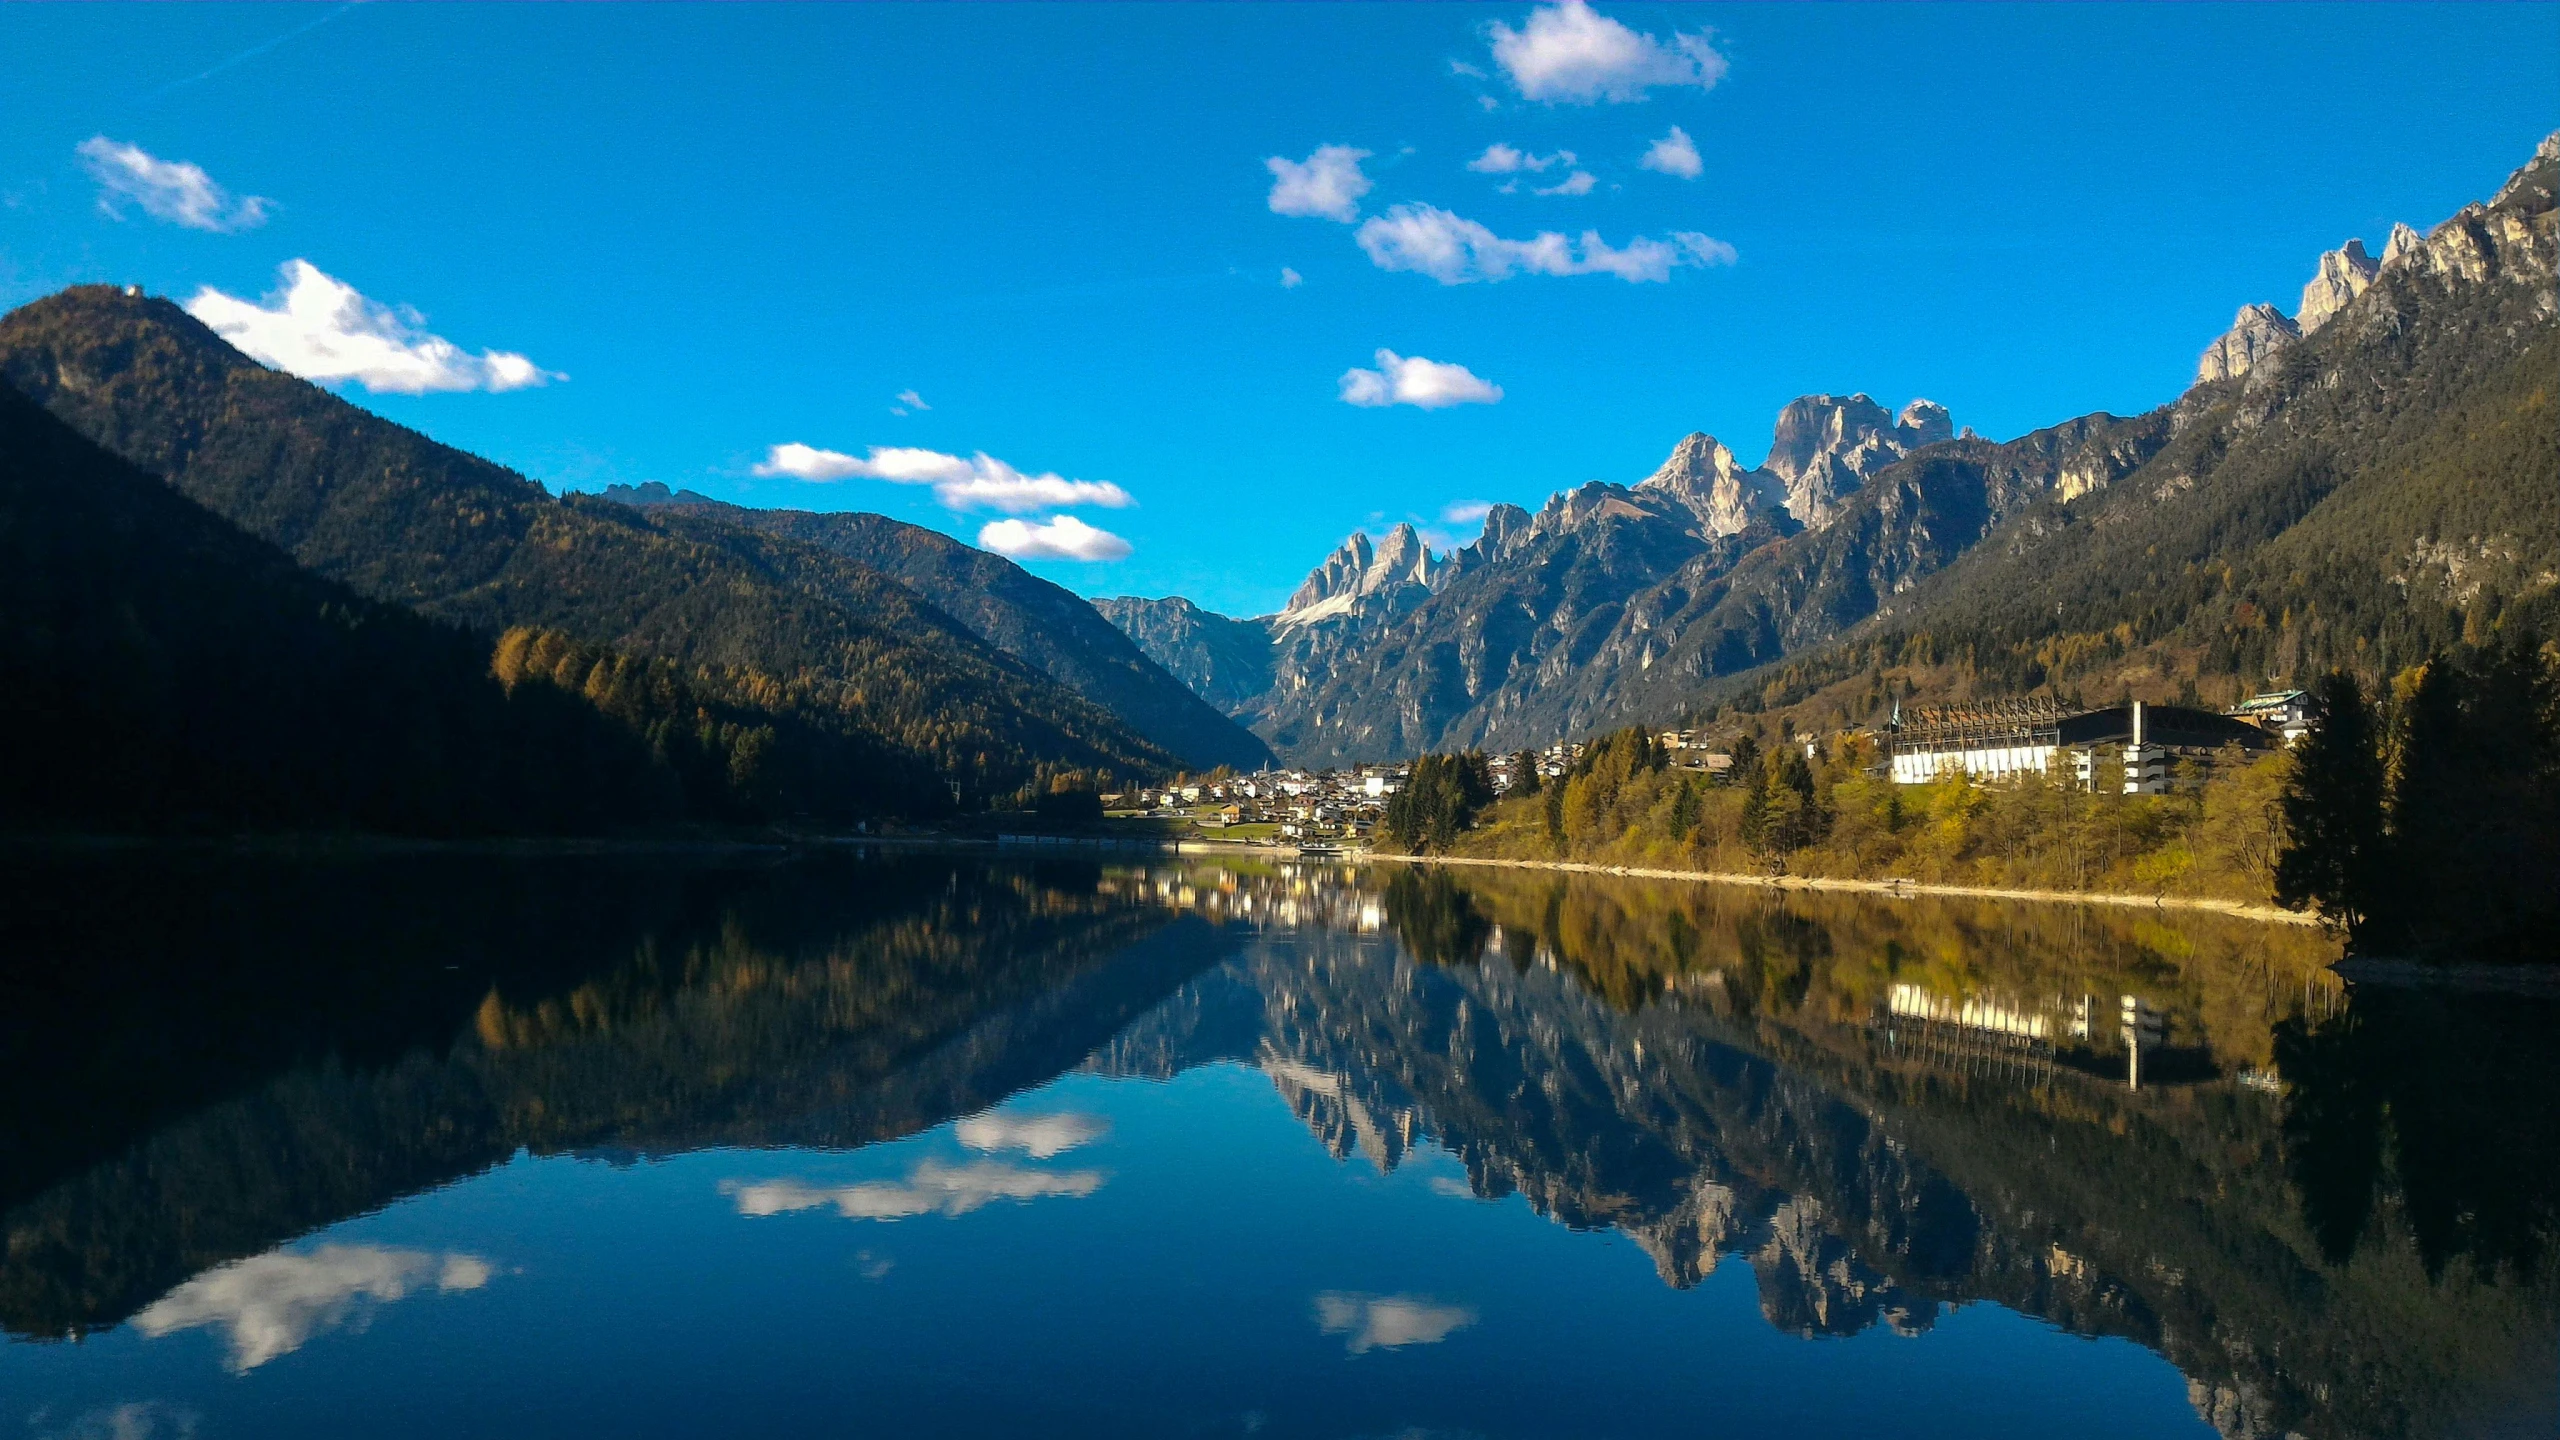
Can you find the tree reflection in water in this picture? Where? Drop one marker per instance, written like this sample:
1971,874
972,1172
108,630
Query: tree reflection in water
2437,1111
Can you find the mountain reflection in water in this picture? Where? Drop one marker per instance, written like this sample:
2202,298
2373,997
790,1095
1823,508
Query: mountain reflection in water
2333,1214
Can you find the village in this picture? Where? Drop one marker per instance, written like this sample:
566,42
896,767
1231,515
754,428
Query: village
1989,741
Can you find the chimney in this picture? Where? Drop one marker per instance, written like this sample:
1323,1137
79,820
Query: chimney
2137,722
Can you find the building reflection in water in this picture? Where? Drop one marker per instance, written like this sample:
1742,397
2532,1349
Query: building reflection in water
1988,1036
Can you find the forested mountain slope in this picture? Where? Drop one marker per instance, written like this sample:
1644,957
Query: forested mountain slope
1043,625
2384,486
400,518
159,669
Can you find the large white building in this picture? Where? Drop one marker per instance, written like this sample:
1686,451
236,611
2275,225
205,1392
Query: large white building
2006,739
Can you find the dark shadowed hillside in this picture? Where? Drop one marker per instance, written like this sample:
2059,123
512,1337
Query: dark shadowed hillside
159,669
1017,612
397,517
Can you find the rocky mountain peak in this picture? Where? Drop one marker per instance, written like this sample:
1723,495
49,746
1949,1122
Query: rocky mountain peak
1697,460
2546,153
1815,425
2343,275
1339,574
1359,569
1705,479
1825,447
1402,560
1924,422
2257,332
1504,527
2404,240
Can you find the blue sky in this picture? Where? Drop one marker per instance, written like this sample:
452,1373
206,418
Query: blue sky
711,232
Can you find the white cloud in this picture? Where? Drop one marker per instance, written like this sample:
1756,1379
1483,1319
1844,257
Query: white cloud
1572,53
1674,154
175,191
1063,537
908,403
933,1187
272,1304
1388,1322
1465,512
979,482
1291,279
1456,251
1461,67
1499,159
1577,183
1412,380
1327,183
319,328
1039,1136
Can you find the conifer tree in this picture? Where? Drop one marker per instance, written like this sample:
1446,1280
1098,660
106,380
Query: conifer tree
2333,809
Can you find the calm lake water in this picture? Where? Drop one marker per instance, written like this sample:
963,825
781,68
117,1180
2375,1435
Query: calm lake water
922,1146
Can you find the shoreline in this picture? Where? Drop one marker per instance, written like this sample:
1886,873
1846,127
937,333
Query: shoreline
356,845
2266,913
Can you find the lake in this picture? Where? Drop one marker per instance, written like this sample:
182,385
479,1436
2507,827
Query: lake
902,1144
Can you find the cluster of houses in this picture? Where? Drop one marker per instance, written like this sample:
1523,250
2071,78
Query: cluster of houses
1305,804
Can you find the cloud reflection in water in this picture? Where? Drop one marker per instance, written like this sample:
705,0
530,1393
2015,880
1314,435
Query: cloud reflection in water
932,1187
272,1304
1039,1136
1388,1322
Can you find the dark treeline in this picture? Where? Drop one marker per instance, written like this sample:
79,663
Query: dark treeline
160,670
725,744
1440,798
2432,822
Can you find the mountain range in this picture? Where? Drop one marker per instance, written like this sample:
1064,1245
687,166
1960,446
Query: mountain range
2372,477
801,616
2362,482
